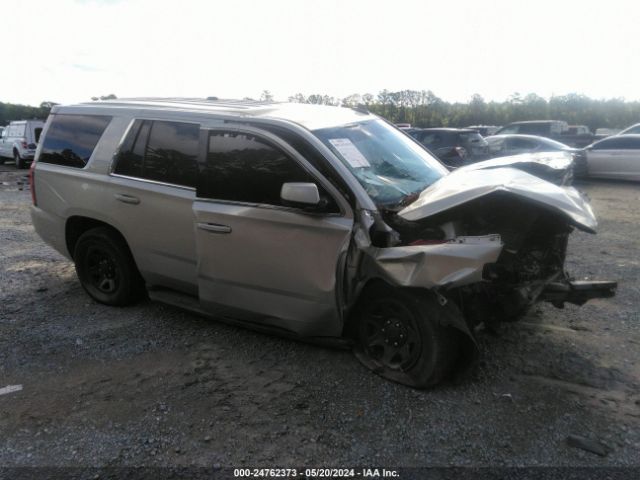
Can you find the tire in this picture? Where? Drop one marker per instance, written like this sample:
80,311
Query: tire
106,269
18,159
400,336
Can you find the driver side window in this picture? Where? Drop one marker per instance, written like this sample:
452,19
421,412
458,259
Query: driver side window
245,168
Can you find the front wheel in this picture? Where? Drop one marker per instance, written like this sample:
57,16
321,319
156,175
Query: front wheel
106,268
400,336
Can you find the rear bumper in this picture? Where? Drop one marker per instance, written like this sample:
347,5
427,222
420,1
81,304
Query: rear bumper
50,228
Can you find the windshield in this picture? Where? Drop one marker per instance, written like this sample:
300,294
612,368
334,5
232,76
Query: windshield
388,164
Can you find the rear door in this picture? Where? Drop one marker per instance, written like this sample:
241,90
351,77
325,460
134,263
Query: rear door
259,259
153,188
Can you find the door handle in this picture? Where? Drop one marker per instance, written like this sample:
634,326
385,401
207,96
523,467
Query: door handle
214,227
121,197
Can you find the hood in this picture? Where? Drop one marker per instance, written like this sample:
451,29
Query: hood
549,162
475,181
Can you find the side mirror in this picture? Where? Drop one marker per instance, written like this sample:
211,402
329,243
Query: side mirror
300,193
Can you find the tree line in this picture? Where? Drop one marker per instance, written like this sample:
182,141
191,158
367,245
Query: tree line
422,108
12,111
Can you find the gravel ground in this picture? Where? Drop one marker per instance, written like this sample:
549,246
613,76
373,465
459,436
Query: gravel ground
151,385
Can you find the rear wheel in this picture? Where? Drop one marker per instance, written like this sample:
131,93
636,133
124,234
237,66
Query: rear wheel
106,269
401,338
18,159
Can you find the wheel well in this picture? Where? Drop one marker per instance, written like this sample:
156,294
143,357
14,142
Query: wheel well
349,329
469,352
77,225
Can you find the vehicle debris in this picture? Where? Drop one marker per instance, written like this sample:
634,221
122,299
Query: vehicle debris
10,389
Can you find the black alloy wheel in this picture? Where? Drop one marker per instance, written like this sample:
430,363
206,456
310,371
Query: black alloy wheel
390,335
405,335
103,269
106,268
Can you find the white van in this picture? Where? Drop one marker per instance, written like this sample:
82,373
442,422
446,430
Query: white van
19,141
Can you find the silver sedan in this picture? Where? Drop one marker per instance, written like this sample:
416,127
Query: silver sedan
616,157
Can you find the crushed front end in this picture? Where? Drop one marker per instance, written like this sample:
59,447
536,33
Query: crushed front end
492,240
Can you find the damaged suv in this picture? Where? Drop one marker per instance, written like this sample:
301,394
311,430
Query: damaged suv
321,223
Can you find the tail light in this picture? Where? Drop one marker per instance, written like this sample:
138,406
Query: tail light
32,183
24,144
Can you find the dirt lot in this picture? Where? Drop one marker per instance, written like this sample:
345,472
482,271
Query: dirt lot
151,385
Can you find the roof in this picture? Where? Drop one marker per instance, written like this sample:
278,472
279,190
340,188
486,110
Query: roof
536,121
470,130
310,116
537,138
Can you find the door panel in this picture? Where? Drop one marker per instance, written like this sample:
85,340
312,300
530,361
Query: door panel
599,162
622,164
272,265
157,221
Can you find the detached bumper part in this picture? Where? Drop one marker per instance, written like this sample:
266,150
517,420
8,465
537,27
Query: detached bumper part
577,292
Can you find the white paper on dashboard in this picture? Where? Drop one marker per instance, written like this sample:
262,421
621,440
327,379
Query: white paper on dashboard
350,152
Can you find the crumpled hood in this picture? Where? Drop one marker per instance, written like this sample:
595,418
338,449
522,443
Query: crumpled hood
476,181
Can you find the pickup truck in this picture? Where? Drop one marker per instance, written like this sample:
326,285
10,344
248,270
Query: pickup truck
578,136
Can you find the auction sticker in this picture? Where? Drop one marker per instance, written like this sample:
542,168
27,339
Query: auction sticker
350,152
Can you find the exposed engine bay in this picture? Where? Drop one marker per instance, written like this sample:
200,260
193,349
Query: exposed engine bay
492,240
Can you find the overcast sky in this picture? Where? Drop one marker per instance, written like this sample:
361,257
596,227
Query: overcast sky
70,50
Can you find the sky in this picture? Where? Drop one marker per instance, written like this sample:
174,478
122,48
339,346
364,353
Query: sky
68,51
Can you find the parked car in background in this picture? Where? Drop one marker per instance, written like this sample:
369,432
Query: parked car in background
19,141
506,145
311,221
605,132
554,129
484,130
455,147
615,157
545,128
632,130
578,130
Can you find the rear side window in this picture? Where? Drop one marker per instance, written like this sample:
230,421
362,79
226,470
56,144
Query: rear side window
438,139
472,138
522,144
535,128
244,168
16,130
71,139
161,151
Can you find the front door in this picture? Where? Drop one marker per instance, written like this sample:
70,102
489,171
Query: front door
259,259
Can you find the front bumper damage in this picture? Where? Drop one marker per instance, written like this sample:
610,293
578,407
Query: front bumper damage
458,262
460,268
